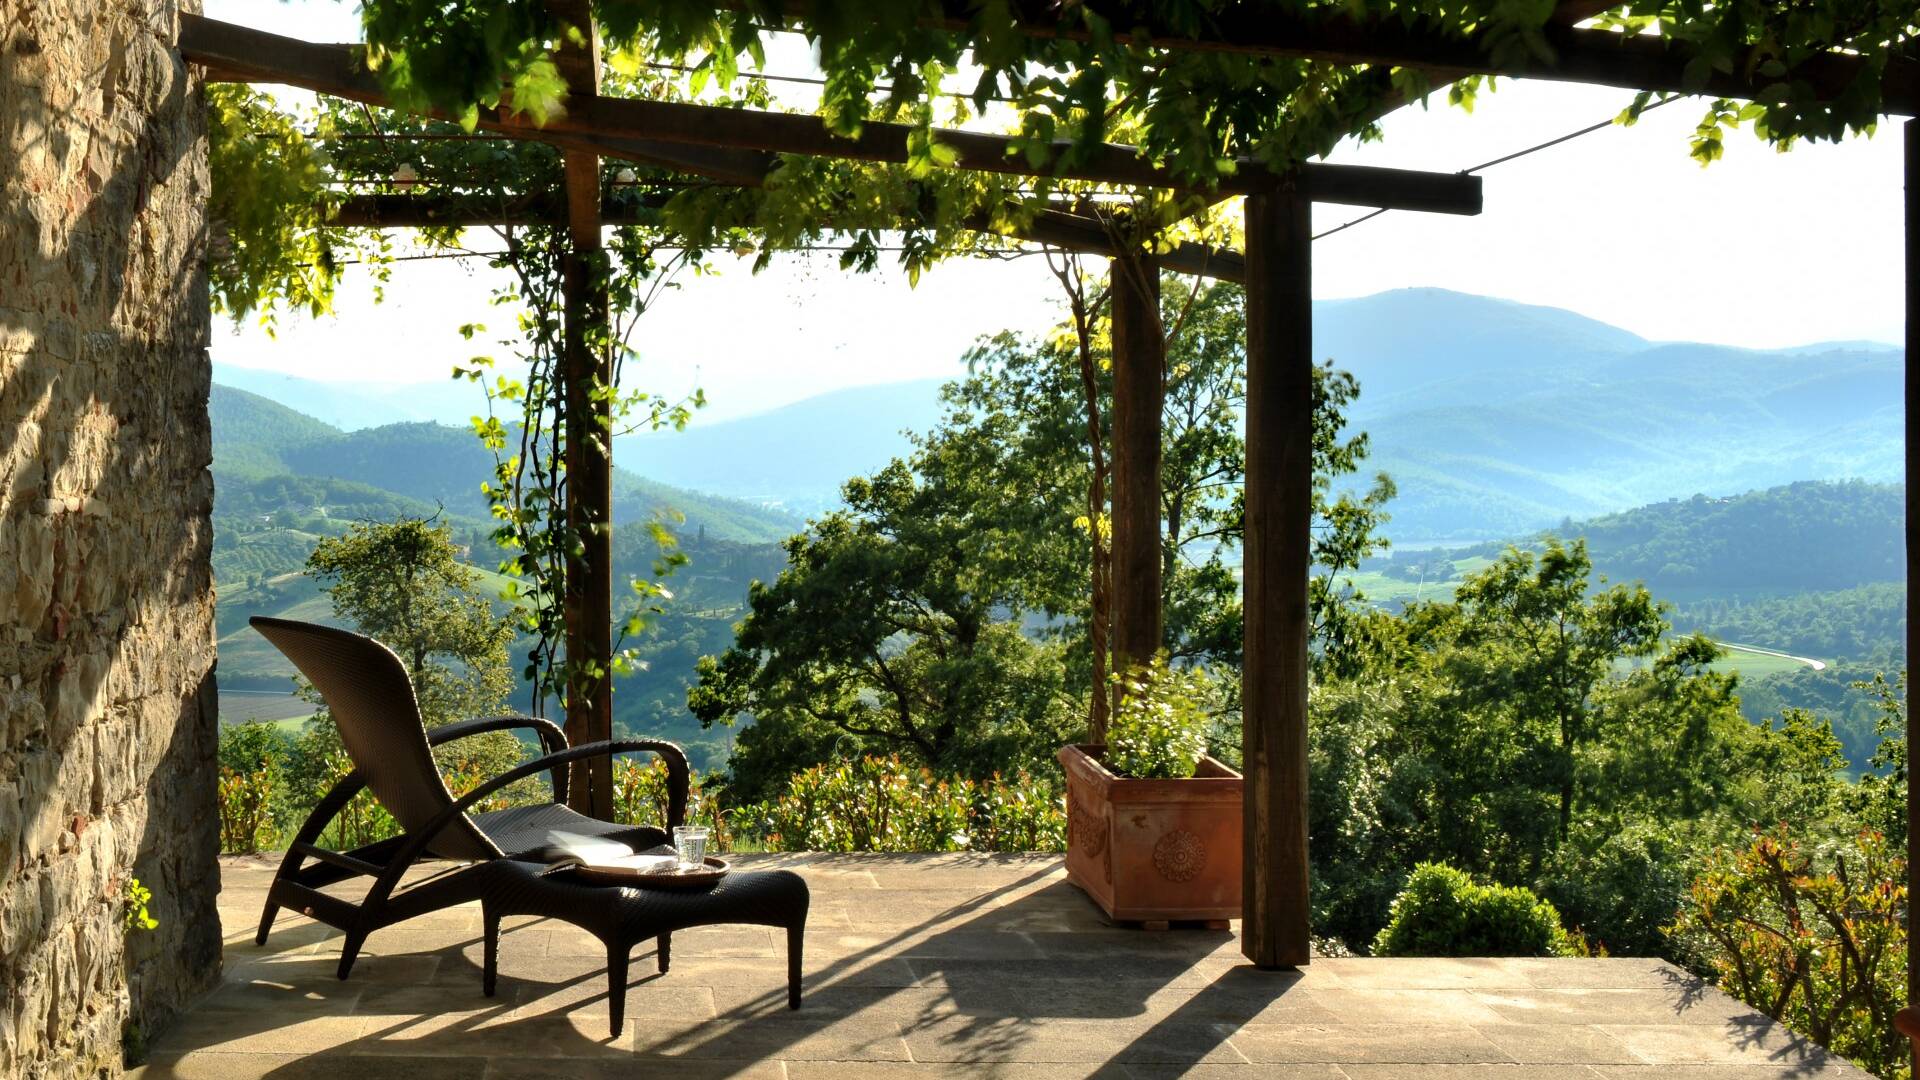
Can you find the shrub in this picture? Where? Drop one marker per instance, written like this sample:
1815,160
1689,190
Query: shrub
1443,912
640,798
1159,726
1018,814
362,820
1621,888
246,809
1822,951
883,804
250,794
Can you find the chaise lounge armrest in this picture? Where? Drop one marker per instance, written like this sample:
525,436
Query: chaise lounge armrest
415,844
552,739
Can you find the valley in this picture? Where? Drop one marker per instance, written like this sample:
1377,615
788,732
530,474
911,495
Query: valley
1494,419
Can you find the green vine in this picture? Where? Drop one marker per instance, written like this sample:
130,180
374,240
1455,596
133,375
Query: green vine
1193,110
134,898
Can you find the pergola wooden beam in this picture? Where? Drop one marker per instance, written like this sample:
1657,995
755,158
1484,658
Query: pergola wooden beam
1600,57
1057,228
1907,1020
388,211
1139,405
237,53
588,373
1277,552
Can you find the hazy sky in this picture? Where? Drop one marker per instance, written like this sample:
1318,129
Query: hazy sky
1761,249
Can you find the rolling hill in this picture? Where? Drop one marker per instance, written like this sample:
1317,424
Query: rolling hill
1495,418
267,453
796,456
284,479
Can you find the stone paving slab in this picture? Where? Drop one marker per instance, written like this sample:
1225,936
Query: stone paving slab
932,966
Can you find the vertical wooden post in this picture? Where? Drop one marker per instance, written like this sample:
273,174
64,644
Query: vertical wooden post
1912,187
1279,511
1139,396
589,451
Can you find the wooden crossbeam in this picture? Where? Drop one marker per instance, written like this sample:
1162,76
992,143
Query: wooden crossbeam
237,53
386,211
1059,228
588,360
1599,57
1277,553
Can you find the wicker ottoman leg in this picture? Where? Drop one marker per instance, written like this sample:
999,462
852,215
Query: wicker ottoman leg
796,937
617,986
490,953
663,948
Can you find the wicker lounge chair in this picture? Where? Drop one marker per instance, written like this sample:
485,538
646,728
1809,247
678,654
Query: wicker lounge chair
509,852
371,701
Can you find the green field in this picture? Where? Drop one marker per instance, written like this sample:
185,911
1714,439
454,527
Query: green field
1754,665
1383,589
249,707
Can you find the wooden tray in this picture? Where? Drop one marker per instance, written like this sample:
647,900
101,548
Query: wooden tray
676,878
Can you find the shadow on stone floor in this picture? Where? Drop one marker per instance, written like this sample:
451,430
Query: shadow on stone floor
1022,971
935,966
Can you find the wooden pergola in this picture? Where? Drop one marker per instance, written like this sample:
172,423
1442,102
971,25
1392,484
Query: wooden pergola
738,147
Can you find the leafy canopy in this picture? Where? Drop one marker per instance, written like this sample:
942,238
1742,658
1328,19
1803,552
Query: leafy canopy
1194,110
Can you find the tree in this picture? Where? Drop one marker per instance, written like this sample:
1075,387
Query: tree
889,632
1538,731
1528,637
402,583
946,615
1880,799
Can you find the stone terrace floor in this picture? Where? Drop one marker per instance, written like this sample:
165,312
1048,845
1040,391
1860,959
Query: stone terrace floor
941,965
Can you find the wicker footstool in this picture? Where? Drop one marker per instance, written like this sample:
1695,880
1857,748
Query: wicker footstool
622,917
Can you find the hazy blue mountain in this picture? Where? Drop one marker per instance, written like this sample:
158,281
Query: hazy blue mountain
1496,418
1421,348
268,456
250,432
352,406
797,455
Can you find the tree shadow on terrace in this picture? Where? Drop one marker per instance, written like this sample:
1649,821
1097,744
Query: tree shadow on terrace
969,961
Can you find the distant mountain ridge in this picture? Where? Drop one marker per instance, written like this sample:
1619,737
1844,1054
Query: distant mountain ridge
1495,418
261,447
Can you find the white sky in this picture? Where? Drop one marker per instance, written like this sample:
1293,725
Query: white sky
1761,249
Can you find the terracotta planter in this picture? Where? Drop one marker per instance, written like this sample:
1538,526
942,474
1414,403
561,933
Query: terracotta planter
1154,850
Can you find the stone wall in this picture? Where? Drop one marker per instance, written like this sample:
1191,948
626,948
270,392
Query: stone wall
107,711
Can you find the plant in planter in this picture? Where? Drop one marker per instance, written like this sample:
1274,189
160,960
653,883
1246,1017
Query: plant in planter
1153,822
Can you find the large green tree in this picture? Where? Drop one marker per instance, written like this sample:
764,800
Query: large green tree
1529,636
402,583
889,631
1541,729
945,613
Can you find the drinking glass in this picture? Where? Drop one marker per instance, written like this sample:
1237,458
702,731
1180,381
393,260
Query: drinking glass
690,845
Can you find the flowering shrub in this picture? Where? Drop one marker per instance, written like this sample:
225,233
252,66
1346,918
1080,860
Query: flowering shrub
250,793
640,798
1159,725
246,809
1823,951
363,820
1021,813
883,804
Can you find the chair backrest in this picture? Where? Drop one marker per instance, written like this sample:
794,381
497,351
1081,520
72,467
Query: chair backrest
371,701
